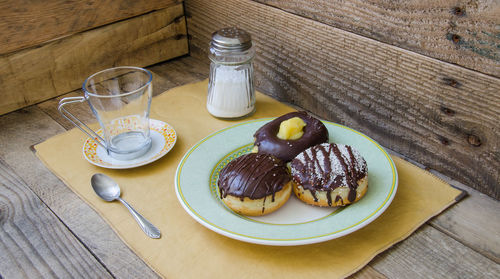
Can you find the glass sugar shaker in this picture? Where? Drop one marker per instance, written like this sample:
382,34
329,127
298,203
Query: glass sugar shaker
231,92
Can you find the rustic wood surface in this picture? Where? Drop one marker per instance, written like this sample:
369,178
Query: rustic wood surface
429,253
440,114
27,23
36,74
34,241
462,242
460,32
483,234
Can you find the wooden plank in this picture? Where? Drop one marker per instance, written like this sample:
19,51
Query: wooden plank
34,243
430,254
179,72
460,32
475,222
32,75
439,114
20,130
27,23
174,73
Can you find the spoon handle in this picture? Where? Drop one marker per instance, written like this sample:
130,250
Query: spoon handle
145,225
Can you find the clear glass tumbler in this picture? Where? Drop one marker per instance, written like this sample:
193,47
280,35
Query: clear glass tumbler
120,99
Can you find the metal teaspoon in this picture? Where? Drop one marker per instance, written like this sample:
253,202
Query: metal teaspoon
106,188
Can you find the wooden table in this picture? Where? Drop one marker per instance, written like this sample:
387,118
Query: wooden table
47,231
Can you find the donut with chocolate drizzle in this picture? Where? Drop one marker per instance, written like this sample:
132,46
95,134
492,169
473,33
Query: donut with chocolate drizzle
255,184
329,175
266,140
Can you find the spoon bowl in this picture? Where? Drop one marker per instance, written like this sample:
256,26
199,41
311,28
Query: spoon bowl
107,189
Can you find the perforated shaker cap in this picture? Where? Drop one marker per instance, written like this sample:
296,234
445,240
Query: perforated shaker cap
231,39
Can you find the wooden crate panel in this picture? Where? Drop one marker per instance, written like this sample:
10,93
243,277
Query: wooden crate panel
32,75
28,23
439,114
460,32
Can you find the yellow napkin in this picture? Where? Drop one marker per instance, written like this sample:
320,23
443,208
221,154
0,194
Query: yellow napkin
189,250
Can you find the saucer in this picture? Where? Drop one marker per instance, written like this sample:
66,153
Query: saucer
163,138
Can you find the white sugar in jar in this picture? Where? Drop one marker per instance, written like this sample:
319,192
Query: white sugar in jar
231,92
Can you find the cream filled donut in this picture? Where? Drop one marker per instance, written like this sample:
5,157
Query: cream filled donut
313,132
329,174
255,184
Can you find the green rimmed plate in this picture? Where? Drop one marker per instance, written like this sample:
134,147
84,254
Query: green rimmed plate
295,223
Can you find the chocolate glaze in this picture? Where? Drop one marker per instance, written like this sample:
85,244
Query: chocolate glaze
254,176
266,140
325,167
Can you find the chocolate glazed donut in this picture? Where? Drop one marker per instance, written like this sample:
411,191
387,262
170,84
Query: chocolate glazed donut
266,140
254,176
255,184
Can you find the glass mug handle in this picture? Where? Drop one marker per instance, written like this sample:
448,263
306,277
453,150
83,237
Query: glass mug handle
75,121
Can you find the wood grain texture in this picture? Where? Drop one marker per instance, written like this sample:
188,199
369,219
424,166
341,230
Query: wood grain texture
34,243
32,75
475,222
27,23
462,32
472,221
20,130
439,114
430,254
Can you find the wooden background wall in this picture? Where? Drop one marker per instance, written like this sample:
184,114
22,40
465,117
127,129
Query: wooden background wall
48,47
420,77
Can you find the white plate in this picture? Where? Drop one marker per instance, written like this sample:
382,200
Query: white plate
295,223
163,138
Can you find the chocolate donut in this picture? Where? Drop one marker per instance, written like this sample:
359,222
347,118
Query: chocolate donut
329,175
255,184
266,140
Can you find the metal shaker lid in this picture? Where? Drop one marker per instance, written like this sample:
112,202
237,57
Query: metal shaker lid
231,39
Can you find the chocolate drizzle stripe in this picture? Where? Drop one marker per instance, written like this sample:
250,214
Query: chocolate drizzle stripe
352,191
316,161
348,172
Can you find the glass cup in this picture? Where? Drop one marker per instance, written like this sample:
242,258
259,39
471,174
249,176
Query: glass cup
120,99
